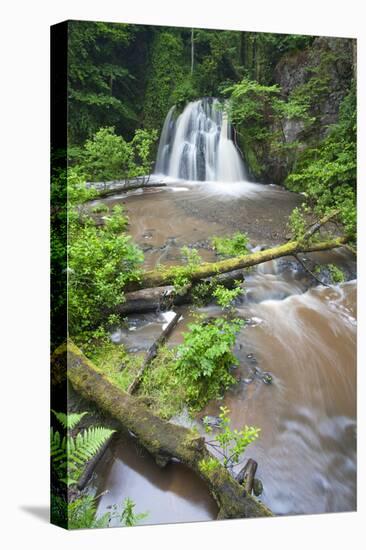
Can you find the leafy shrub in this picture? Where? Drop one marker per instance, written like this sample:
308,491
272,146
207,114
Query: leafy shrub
101,261
181,274
232,443
225,296
107,156
231,246
327,173
205,358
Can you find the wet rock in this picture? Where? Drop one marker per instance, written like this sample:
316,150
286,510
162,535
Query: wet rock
252,358
211,421
257,487
267,378
162,461
247,380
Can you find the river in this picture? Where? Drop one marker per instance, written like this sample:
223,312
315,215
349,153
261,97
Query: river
303,335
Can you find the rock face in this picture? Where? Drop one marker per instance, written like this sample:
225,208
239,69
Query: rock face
330,59
321,75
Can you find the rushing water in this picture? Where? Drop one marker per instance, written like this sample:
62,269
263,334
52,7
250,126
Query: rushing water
305,337
197,145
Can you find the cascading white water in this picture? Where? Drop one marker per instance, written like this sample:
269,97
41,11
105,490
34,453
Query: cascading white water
197,145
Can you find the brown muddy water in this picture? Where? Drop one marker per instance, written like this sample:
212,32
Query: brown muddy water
303,335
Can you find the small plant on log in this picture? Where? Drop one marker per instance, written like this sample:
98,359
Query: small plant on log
181,274
230,444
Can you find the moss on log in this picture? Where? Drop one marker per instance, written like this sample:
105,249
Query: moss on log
163,277
162,439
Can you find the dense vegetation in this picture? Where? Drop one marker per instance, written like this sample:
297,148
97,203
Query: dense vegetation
283,95
292,103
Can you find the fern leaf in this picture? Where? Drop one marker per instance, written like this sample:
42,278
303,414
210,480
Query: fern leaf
69,420
83,447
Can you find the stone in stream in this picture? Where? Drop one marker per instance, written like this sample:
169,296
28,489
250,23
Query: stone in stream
252,358
257,487
211,421
267,378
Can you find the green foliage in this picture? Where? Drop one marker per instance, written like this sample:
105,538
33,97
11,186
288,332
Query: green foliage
208,465
217,60
120,366
58,250
101,260
205,358
232,443
70,454
100,208
181,274
191,257
70,420
327,173
166,72
251,104
225,296
105,77
336,274
162,385
107,156
236,245
194,372
142,145
128,517
202,292
184,92
297,223
82,514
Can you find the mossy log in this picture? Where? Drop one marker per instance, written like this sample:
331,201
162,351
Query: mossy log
162,277
160,438
164,297
113,188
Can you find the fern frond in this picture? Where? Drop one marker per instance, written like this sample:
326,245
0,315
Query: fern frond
69,420
70,454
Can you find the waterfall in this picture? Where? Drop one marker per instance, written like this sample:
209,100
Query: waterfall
197,145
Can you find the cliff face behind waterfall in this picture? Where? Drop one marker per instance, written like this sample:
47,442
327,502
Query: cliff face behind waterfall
321,73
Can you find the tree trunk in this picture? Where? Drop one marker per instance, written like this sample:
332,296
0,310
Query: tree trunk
164,277
164,297
162,439
123,187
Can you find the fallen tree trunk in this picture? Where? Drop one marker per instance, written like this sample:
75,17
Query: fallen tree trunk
127,186
164,277
162,439
164,297
152,353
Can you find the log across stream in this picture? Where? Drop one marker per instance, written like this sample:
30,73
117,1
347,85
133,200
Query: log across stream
302,334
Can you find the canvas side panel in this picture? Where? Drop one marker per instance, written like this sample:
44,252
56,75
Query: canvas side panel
58,249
